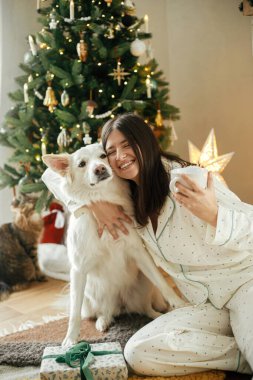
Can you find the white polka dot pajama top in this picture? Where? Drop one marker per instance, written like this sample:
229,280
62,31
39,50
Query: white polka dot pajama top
213,269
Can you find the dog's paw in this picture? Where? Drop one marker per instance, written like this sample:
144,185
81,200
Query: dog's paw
102,324
68,342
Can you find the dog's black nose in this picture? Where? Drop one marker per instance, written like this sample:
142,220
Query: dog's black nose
100,169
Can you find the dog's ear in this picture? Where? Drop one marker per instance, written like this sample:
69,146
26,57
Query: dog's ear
59,163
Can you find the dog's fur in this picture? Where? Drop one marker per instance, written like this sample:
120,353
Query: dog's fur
108,276
18,248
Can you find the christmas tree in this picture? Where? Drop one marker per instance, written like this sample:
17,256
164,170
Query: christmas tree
82,68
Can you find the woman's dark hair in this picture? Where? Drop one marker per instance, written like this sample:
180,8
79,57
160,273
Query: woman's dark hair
150,194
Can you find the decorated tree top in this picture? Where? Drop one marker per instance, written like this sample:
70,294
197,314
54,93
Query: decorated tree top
82,68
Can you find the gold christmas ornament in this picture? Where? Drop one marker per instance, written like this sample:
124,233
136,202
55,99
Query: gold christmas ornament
119,74
50,100
91,105
63,139
159,119
117,27
108,2
65,98
49,77
208,157
43,45
82,49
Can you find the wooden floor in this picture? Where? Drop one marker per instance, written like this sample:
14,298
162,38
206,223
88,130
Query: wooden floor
31,304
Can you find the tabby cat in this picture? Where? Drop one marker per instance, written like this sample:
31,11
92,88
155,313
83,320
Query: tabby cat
18,248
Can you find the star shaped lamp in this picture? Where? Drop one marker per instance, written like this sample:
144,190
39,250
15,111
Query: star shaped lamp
208,157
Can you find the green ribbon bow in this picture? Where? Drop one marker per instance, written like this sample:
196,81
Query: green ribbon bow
80,355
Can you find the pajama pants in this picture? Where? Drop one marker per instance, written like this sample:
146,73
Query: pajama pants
196,338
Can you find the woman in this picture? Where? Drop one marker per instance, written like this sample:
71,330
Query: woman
203,239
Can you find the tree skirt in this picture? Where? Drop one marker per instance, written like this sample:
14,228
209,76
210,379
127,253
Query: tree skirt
25,348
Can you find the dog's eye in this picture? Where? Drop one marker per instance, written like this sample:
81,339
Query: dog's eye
81,164
103,156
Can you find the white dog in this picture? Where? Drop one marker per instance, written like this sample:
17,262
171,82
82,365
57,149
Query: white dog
107,276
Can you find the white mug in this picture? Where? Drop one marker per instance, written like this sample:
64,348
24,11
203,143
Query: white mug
195,173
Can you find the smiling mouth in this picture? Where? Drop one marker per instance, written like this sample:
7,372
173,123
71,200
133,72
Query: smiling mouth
126,165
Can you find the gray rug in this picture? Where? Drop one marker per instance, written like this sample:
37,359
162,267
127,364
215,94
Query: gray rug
24,349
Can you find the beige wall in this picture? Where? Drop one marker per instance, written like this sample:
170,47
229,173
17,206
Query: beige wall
204,49
211,76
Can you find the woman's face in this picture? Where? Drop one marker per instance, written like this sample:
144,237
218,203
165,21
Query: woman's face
121,156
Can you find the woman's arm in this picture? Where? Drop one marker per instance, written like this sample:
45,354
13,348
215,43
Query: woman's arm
110,216
107,215
200,202
230,221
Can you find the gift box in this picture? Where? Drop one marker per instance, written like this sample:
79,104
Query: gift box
84,361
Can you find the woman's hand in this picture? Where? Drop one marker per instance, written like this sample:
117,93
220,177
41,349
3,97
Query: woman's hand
110,216
200,202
